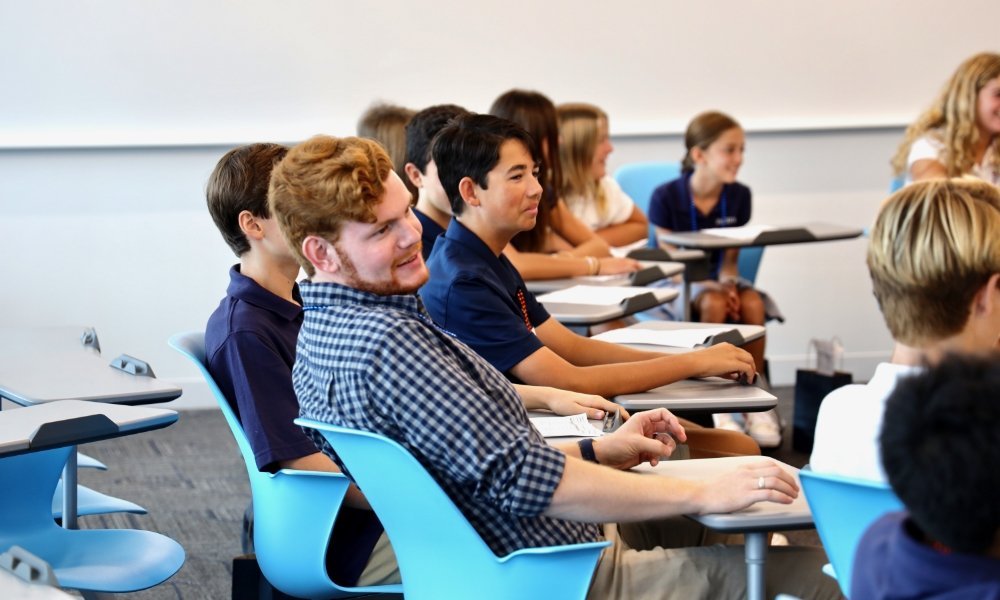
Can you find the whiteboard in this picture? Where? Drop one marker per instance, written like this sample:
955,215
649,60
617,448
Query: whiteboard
185,72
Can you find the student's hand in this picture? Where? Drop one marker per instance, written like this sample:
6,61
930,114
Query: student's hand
742,487
616,266
646,437
564,402
732,300
725,360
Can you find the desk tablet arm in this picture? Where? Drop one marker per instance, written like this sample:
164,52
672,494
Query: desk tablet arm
27,566
695,269
733,336
132,366
645,276
651,254
639,303
794,235
68,431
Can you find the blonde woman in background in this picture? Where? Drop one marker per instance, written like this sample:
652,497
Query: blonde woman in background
591,194
960,133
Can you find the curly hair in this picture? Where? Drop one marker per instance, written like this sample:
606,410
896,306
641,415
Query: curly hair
323,183
952,117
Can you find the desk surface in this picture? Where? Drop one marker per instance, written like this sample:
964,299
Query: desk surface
75,422
711,393
755,236
763,516
589,314
540,286
46,364
748,333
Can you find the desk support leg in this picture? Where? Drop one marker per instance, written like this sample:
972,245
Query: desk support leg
69,491
687,298
756,553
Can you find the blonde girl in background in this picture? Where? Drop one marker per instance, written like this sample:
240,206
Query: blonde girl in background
960,133
591,194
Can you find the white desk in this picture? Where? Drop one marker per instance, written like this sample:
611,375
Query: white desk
737,334
650,272
754,522
737,237
70,422
712,394
586,315
48,364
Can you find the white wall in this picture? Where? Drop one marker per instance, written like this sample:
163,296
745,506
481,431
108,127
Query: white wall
120,239
114,113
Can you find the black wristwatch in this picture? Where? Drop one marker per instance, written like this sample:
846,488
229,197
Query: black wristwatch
587,449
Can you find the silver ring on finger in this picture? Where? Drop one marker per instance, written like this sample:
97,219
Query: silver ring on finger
760,483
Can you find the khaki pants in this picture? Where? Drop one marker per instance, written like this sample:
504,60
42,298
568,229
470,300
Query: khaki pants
663,559
381,568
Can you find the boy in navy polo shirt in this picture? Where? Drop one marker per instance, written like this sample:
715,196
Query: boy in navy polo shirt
477,294
250,348
432,207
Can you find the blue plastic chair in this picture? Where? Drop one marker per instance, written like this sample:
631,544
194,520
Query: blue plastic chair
843,508
92,502
294,511
90,560
638,180
439,553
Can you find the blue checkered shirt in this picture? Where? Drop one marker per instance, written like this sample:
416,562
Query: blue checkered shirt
378,363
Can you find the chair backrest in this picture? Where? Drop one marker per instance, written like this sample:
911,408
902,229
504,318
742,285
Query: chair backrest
748,262
294,511
440,555
843,508
638,180
36,475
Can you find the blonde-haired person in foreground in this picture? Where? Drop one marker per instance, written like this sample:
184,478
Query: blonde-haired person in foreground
960,133
934,260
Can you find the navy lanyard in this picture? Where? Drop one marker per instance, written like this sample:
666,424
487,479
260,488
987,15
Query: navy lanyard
694,211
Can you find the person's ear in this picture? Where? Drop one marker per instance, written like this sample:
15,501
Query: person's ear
250,226
414,175
987,299
321,253
469,191
697,154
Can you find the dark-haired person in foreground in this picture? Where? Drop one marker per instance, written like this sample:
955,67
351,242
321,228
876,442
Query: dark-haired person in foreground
940,446
370,358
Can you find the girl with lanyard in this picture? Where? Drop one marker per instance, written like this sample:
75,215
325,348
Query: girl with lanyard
707,195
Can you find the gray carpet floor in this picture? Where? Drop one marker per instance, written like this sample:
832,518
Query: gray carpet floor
193,482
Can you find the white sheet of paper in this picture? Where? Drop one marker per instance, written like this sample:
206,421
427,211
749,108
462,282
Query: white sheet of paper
747,232
596,295
571,426
678,338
